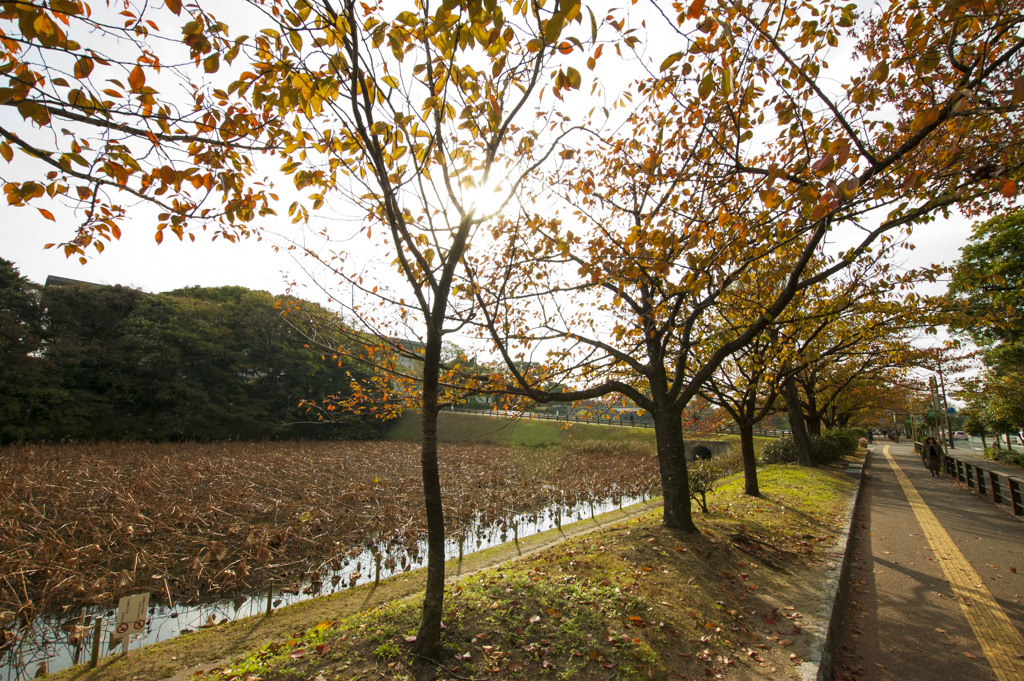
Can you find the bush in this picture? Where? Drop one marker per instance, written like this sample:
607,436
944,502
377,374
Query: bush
703,475
845,438
782,450
825,449
1002,456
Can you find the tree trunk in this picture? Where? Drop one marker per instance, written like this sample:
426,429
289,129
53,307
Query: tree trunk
750,486
796,424
813,420
675,486
428,638
984,445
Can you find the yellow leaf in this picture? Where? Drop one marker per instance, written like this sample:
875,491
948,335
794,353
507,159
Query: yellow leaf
573,77
926,118
211,63
553,28
6,151
727,79
408,18
707,84
43,26
770,198
670,60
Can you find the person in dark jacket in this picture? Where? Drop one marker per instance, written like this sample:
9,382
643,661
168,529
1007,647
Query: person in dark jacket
932,455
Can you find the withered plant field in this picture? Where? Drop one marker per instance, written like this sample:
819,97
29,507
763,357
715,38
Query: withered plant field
84,524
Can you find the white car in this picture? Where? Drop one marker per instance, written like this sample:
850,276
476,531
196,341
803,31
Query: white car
961,435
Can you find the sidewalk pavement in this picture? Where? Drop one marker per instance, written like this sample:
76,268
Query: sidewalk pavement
936,581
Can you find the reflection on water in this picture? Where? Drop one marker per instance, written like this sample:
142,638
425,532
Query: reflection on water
49,644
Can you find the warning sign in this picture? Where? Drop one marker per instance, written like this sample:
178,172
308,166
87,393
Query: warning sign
131,615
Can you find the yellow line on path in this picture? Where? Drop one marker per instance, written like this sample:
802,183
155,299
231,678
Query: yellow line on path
993,629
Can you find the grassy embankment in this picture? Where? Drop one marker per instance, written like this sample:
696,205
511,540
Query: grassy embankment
527,432
626,600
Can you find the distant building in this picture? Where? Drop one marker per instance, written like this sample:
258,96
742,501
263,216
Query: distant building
54,280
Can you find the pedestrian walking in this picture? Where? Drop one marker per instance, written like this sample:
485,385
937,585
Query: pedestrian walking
931,453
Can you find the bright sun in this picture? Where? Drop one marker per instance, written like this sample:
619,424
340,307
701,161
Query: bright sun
485,198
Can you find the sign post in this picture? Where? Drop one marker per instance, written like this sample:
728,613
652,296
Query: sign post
131,618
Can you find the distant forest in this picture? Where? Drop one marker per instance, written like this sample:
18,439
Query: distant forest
81,361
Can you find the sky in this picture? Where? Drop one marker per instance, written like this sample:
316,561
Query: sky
136,260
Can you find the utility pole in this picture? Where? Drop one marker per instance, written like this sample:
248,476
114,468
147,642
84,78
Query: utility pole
934,389
945,408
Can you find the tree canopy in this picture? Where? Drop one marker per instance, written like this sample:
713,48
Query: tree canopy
987,286
111,363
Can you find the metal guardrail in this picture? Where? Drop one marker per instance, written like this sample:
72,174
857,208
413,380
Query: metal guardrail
622,420
1004,490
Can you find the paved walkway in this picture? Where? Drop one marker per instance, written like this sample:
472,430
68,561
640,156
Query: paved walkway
937,580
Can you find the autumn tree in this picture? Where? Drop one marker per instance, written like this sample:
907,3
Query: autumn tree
744,157
421,122
107,110
746,388
840,330
867,341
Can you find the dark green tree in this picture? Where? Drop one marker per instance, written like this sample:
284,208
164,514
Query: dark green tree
82,347
25,391
987,286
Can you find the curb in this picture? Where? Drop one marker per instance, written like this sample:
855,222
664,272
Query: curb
835,588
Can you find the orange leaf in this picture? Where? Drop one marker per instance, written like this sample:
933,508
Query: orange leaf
137,78
174,6
696,9
83,67
47,214
1008,189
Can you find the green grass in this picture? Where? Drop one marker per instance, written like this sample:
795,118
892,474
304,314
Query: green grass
525,432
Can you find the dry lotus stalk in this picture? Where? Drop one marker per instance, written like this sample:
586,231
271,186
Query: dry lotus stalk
88,523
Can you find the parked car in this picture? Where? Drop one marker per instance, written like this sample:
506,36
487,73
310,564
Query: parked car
961,435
